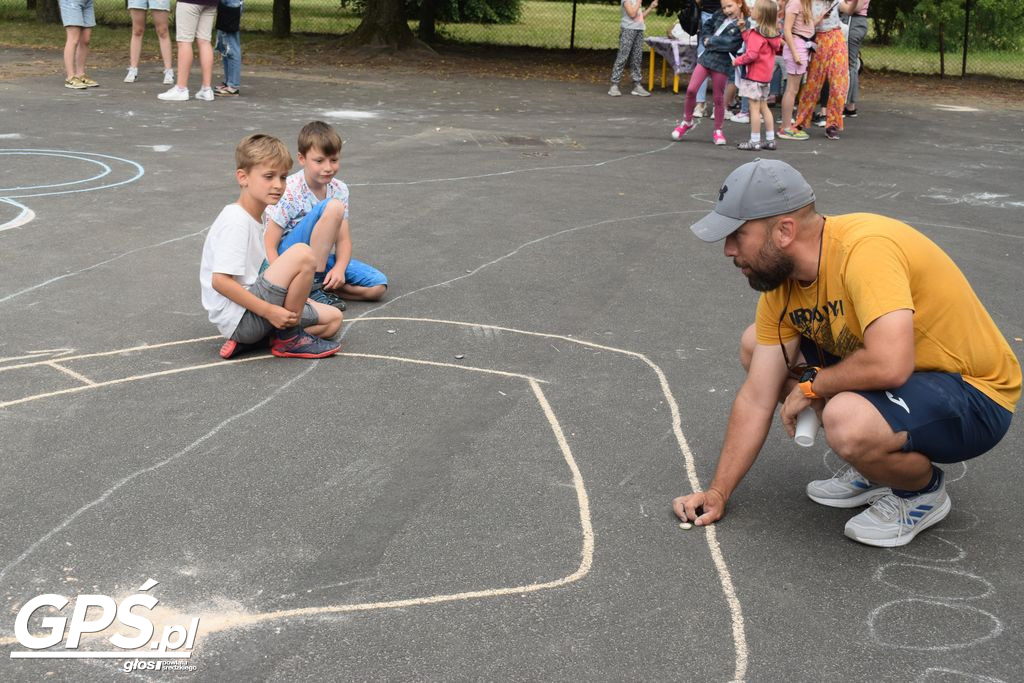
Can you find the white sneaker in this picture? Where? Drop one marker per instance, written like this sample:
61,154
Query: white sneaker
205,94
739,118
639,91
847,488
614,91
699,110
892,521
168,76
175,94
132,74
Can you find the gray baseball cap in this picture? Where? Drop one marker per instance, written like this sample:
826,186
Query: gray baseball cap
758,189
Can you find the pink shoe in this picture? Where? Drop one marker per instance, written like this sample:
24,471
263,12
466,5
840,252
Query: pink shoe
718,137
683,128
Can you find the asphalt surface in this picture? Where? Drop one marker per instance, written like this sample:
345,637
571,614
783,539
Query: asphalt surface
479,486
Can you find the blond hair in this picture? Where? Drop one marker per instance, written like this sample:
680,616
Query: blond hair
766,14
262,149
320,135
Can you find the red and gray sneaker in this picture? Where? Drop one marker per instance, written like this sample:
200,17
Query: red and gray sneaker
303,345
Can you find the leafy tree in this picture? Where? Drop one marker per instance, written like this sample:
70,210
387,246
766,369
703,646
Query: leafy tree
48,11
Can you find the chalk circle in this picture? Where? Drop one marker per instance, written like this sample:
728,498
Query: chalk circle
928,542
960,520
957,584
909,624
25,215
103,169
963,472
350,114
938,675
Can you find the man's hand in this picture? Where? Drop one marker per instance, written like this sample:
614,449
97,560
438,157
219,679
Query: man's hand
711,504
281,317
334,278
795,402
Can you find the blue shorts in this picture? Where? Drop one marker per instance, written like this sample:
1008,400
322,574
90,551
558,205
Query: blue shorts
77,13
945,418
357,273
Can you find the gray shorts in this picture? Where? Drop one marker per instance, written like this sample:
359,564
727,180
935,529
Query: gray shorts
252,328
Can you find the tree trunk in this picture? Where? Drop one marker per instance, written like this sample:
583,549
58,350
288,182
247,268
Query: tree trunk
428,30
48,12
942,53
385,28
30,5
282,21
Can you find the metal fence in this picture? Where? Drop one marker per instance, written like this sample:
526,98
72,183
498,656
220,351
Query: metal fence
594,25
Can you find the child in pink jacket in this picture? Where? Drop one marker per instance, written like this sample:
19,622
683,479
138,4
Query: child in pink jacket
762,43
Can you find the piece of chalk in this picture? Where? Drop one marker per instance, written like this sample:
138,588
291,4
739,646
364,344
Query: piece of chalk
685,525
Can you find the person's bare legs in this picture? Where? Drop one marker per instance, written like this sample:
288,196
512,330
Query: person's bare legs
766,116
858,434
205,61
184,64
82,52
138,28
326,232
357,293
74,34
293,270
789,100
329,320
163,35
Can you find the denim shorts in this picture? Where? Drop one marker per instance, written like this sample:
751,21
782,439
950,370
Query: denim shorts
252,328
945,418
154,5
357,273
77,13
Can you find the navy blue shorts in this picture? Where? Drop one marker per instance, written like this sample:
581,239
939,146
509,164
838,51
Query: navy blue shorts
945,418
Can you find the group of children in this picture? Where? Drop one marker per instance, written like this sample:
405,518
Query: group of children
740,46
277,264
194,23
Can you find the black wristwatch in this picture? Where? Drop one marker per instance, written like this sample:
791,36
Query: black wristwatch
806,382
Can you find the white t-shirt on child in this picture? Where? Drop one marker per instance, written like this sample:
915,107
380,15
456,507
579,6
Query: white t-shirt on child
233,246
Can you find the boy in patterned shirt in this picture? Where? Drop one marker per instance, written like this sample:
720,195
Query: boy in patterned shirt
314,211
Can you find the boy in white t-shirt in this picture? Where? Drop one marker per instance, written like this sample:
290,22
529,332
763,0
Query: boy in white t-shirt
247,306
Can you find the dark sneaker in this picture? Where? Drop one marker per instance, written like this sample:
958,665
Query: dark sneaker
303,345
818,120
832,133
322,296
224,90
850,113
232,348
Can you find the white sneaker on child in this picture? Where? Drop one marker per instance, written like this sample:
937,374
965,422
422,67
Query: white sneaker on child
175,94
133,73
205,93
168,76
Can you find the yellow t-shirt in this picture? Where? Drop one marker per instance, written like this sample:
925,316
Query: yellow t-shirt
872,265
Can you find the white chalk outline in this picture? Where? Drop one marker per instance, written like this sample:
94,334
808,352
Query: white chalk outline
961,553
938,669
105,170
880,577
82,156
995,632
711,537
26,215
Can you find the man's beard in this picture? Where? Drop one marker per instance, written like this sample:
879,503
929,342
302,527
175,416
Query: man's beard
774,267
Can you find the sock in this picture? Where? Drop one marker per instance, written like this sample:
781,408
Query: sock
755,138
933,485
769,135
289,332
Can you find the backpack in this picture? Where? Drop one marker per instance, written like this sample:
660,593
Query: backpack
689,17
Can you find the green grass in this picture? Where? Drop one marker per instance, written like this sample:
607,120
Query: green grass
544,24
